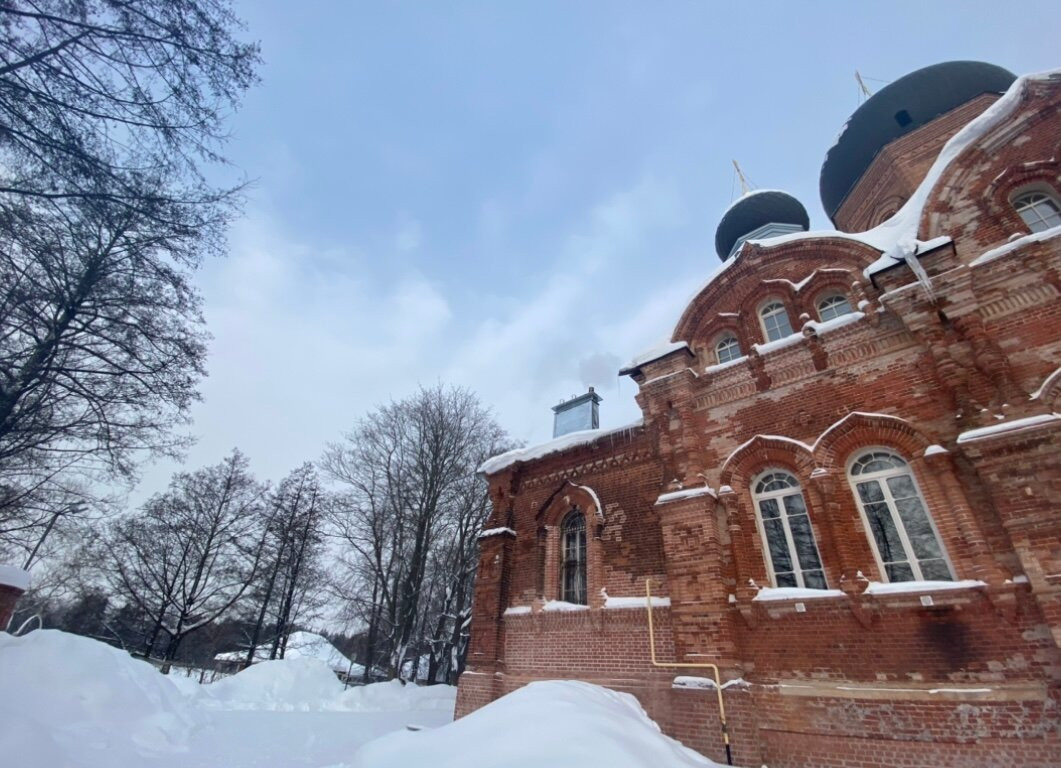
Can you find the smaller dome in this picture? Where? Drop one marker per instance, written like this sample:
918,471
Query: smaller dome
756,210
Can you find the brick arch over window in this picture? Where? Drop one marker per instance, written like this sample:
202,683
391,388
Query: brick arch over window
569,498
857,430
762,451
739,472
741,284
936,475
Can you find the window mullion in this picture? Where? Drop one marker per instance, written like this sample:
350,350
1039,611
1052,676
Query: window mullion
792,553
900,526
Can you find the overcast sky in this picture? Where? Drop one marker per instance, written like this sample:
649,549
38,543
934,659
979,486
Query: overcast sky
518,197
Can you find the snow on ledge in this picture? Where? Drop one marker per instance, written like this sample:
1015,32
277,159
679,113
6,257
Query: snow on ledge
848,318
916,587
495,532
1002,250
13,576
561,606
784,341
706,683
517,610
636,602
562,443
728,364
685,493
935,450
767,594
1008,426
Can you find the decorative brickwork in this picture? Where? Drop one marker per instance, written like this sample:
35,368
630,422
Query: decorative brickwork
958,376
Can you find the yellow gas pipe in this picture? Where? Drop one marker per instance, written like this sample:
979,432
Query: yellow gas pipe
702,665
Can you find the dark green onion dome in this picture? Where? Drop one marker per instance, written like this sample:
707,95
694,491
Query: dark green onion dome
897,109
756,210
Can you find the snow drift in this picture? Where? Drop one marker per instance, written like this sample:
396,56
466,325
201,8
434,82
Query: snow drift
63,694
309,685
561,724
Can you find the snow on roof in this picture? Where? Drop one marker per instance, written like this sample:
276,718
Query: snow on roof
753,193
13,576
562,443
898,235
655,353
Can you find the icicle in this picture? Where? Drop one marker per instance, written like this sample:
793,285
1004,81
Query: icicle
909,255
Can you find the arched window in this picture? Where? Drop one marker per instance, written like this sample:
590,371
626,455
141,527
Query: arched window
834,305
1038,209
728,348
774,317
792,554
573,565
904,538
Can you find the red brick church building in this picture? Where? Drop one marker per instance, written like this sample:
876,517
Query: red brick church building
845,489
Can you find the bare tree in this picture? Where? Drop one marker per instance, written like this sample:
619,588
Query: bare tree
110,111
190,553
410,474
101,347
97,96
291,574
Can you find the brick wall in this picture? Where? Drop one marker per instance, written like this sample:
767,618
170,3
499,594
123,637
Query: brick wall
964,677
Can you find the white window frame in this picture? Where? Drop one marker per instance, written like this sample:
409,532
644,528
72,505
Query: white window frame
773,308
724,339
900,527
789,540
831,300
1043,198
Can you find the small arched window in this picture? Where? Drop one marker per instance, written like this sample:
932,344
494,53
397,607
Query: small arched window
1039,210
834,305
792,554
903,536
573,564
727,348
774,317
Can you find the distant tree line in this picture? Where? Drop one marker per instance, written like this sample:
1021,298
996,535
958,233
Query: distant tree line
379,543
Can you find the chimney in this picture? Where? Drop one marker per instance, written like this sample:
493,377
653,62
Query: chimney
577,414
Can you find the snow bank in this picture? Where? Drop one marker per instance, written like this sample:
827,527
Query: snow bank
301,645
553,723
73,702
309,685
392,696
63,694
304,685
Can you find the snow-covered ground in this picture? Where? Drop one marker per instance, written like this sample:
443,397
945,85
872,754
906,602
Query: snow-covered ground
302,645
71,702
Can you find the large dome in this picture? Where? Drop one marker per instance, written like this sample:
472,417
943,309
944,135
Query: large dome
897,109
755,210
